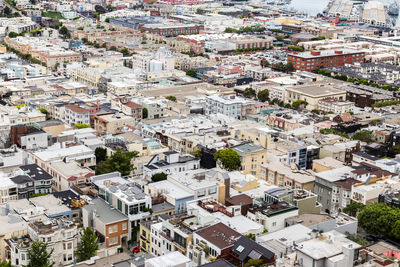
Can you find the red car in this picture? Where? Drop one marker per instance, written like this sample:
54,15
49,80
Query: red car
136,249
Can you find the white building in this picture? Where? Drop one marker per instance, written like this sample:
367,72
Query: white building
125,196
229,106
59,234
75,114
336,106
34,140
331,249
161,60
170,162
8,189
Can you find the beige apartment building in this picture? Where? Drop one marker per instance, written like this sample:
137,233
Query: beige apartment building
313,93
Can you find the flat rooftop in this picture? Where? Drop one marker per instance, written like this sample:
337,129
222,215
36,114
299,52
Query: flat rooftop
316,90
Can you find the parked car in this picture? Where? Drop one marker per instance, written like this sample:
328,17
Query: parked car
136,249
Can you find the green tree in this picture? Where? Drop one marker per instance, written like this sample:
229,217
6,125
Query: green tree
394,150
263,95
249,93
101,154
88,245
38,255
289,67
254,263
5,264
296,48
299,104
81,125
378,219
118,162
113,48
13,34
159,177
43,110
171,98
264,63
145,113
353,209
191,73
125,52
65,32
229,158
358,239
107,20
197,153
395,232
251,236
363,136
7,10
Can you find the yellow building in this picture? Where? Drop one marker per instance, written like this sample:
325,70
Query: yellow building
145,235
326,164
252,157
313,93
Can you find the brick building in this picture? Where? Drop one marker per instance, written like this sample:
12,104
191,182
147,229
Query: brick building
313,60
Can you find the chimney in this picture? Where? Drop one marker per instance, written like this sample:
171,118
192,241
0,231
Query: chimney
338,52
315,53
221,193
227,182
98,105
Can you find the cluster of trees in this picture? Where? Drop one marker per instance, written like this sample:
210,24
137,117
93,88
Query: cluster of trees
191,73
118,162
333,131
353,209
245,29
81,125
296,48
385,103
7,12
171,98
124,51
237,51
192,54
27,57
196,153
229,158
343,77
288,67
159,177
319,38
65,32
298,104
358,239
363,136
381,220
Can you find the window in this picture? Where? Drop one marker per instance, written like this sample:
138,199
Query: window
240,248
119,205
113,241
124,226
69,245
112,229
